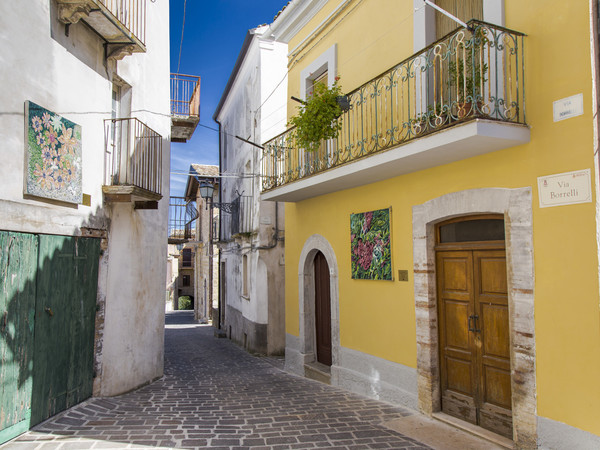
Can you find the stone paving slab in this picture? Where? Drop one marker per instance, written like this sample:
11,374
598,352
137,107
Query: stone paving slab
216,395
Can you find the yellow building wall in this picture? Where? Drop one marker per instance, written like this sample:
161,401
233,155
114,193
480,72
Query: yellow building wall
378,317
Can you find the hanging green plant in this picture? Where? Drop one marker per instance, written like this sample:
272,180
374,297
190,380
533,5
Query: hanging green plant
318,117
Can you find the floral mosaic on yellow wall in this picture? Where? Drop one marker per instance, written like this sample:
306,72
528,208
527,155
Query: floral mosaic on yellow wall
52,155
370,245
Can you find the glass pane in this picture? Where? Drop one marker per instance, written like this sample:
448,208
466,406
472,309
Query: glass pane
473,230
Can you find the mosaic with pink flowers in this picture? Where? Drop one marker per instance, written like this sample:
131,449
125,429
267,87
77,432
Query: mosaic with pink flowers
370,245
53,155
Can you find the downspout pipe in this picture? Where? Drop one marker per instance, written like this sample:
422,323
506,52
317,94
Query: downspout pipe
211,232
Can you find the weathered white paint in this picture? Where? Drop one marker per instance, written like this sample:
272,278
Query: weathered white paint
253,107
69,75
376,378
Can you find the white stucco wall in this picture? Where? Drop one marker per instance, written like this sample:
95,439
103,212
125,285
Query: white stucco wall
69,76
255,108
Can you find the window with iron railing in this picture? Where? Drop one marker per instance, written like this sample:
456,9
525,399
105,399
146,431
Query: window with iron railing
183,217
185,95
186,257
475,73
133,155
241,216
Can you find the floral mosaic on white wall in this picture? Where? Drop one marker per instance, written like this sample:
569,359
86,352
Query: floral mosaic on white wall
52,155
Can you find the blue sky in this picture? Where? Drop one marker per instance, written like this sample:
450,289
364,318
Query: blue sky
212,38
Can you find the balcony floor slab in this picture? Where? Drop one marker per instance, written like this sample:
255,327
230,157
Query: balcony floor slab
462,141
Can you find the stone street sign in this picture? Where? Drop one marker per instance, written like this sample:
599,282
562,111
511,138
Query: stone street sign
565,188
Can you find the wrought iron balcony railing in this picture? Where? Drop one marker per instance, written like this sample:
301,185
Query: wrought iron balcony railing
185,95
121,23
241,216
131,13
182,220
185,106
133,157
464,76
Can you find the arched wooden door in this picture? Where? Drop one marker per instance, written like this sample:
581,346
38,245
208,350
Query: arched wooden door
473,322
322,310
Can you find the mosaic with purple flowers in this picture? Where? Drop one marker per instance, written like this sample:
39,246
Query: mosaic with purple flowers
53,155
370,245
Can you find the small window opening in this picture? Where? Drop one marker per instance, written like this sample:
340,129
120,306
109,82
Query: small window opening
472,230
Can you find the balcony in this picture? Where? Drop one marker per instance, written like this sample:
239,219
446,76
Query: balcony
182,220
241,215
185,106
133,163
460,97
121,23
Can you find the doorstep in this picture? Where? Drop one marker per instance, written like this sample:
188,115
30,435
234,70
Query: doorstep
445,432
317,371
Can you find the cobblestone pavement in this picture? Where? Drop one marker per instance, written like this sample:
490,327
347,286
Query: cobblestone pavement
216,395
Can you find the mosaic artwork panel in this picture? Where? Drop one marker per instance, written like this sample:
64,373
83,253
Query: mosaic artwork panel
52,155
370,245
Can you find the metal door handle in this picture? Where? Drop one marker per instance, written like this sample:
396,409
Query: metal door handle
474,317
49,311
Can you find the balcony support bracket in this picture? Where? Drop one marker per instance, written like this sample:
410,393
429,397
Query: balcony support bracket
117,52
71,11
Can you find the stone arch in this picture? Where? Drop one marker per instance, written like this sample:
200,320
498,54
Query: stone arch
515,205
306,296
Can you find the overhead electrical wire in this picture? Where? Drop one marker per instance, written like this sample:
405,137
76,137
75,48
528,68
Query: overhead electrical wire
341,64
181,42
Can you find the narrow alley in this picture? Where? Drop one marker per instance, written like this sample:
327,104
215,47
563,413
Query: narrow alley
216,395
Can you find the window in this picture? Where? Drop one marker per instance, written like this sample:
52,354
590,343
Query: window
321,79
187,257
425,18
472,230
185,280
245,276
322,70
465,10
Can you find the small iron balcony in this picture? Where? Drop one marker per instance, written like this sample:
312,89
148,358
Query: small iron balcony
133,163
469,84
121,23
185,106
183,214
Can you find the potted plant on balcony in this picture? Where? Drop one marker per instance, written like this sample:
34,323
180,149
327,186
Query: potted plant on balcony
468,74
318,117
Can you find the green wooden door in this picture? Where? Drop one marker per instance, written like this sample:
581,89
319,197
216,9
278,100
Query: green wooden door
48,290
18,264
64,322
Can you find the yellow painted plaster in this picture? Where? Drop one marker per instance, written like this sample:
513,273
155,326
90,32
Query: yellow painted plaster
378,317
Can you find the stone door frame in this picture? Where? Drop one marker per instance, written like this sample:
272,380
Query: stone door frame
516,206
306,295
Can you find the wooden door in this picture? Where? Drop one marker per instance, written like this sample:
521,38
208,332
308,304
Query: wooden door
48,289
322,310
474,337
18,263
67,282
